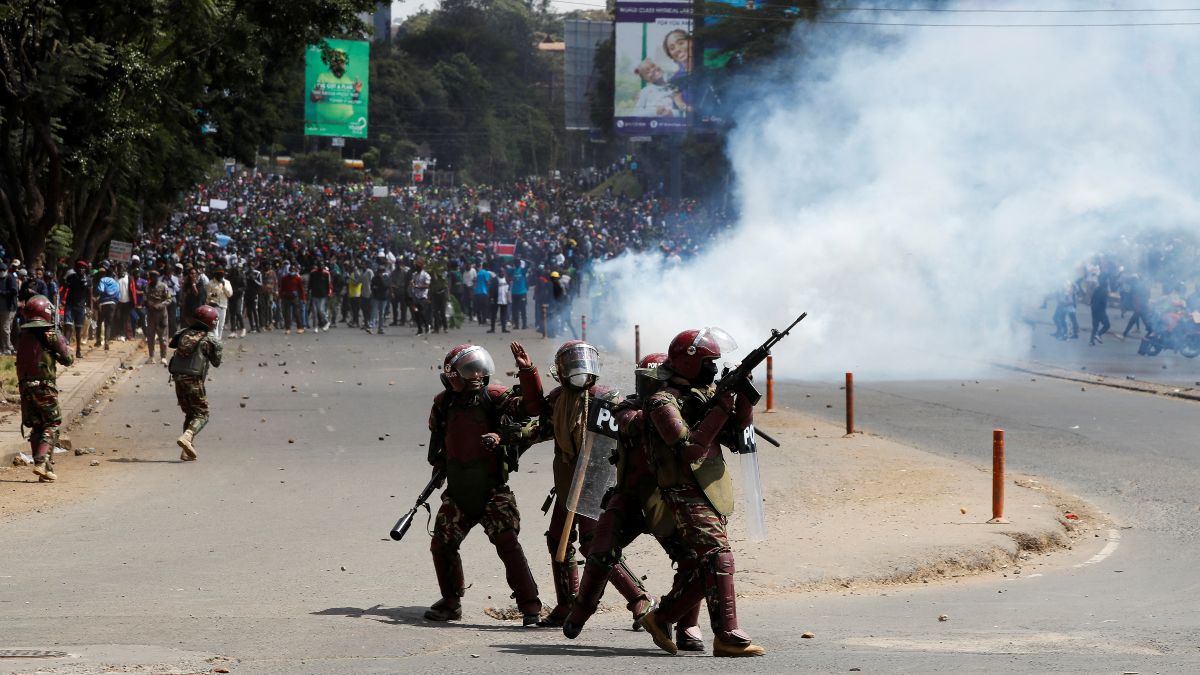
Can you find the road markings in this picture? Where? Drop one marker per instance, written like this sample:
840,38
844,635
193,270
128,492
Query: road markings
1114,540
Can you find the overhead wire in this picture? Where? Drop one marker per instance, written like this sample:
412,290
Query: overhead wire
748,15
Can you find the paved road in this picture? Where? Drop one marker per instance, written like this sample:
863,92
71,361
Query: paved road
1134,455
242,553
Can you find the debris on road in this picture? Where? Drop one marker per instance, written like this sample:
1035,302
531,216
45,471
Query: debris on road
943,617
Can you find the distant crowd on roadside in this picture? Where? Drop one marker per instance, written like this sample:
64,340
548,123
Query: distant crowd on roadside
271,253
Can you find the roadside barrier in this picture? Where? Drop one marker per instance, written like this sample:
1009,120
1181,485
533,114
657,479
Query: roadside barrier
849,403
770,383
998,477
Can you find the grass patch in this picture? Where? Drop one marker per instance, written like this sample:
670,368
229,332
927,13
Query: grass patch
8,378
623,184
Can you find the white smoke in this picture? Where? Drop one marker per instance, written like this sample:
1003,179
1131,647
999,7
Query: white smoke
915,189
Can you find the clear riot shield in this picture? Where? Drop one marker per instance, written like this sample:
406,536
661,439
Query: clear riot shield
747,454
594,471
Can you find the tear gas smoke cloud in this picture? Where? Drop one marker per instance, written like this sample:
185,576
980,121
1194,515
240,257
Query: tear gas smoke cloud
918,190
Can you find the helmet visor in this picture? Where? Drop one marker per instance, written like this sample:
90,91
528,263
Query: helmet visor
725,342
473,362
578,360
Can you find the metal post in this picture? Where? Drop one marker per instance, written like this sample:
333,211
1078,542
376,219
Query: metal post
849,403
998,477
637,343
544,327
583,327
770,383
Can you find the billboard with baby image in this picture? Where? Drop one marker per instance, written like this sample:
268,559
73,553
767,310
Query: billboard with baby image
653,67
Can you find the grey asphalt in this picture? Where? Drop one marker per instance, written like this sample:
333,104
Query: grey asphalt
241,554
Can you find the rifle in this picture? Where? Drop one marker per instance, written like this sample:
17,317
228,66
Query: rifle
405,521
738,379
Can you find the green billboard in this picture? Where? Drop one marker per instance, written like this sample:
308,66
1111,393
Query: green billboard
336,88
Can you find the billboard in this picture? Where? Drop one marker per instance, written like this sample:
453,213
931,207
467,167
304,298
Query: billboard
653,67
336,88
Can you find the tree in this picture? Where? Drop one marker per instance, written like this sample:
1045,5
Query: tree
101,102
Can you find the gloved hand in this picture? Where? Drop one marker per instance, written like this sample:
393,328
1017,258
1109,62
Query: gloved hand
490,441
726,401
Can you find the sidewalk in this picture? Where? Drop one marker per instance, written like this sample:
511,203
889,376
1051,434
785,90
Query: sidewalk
844,512
78,387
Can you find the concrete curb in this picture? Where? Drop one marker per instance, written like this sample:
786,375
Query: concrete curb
1128,384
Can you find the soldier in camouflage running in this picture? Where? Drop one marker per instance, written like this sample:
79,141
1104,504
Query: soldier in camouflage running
195,348
39,348
687,428
474,446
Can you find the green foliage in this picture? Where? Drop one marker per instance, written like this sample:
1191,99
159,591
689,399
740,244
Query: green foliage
102,102
59,242
624,184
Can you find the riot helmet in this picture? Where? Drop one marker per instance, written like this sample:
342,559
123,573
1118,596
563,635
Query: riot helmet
576,365
648,378
205,317
467,368
693,354
38,312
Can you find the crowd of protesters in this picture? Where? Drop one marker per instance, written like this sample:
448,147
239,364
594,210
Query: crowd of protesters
271,253
1158,291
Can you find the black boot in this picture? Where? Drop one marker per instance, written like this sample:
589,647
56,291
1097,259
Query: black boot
591,589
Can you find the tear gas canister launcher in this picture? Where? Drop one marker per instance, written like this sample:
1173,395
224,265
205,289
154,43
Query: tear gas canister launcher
737,380
405,521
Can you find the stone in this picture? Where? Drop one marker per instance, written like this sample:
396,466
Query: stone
94,462
943,617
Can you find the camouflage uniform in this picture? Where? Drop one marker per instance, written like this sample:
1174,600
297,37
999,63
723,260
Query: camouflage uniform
189,386
633,506
39,348
697,489
477,492
158,296
560,422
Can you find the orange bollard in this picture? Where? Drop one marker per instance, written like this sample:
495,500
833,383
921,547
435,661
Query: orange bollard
583,327
849,403
770,383
998,477
637,343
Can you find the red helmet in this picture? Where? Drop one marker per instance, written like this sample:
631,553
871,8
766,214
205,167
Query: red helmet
652,360
38,312
466,362
647,376
577,363
206,315
691,348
